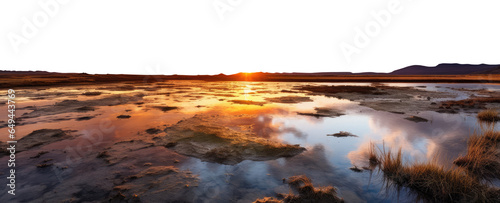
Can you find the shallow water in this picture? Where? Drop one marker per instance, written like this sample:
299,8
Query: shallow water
326,161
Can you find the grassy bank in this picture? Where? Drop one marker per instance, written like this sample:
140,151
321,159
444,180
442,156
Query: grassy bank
431,182
469,182
483,156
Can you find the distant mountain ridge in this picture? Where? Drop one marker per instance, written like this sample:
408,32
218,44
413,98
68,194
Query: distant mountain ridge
441,69
449,69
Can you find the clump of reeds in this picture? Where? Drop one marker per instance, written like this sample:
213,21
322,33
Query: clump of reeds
268,200
373,155
489,115
306,192
482,158
434,183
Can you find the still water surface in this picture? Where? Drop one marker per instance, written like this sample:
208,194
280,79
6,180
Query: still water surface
326,161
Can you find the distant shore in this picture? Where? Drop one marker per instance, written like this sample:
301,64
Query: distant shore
31,79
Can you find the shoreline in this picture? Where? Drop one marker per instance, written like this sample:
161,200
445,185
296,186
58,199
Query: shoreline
20,80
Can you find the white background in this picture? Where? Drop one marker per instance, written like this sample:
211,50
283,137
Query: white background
196,37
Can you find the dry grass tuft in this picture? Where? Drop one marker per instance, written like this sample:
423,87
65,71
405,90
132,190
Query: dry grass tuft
306,193
489,115
482,158
373,156
268,200
435,183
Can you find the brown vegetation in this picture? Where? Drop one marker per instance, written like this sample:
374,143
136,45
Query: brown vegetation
483,156
431,182
306,193
434,183
373,156
489,115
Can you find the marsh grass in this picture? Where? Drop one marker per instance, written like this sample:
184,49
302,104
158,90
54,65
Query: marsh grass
483,157
306,193
373,155
489,115
431,182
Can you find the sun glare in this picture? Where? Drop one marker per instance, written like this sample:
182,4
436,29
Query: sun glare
248,76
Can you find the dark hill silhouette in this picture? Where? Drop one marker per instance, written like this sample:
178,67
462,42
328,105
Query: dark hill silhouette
448,69
441,69
448,73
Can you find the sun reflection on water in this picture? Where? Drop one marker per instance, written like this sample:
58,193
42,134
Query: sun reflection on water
327,158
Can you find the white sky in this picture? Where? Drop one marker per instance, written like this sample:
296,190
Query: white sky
190,37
